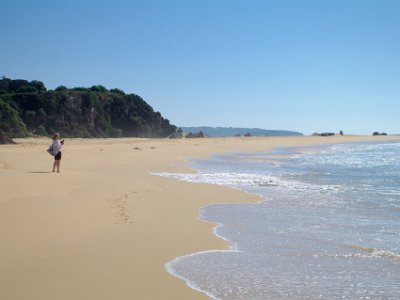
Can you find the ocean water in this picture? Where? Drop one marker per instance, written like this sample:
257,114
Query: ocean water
327,225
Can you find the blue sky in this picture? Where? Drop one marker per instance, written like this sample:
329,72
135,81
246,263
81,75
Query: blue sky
304,65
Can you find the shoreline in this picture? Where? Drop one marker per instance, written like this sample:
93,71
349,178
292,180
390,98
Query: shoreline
105,227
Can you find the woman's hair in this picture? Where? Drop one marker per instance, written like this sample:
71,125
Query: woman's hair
56,135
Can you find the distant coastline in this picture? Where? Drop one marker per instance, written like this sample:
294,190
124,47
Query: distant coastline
235,131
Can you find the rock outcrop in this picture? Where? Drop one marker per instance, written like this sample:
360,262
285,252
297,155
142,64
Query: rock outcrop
4,139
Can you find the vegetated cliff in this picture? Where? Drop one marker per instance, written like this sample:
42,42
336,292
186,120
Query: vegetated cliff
28,108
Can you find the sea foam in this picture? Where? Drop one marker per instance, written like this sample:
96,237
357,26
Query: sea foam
329,229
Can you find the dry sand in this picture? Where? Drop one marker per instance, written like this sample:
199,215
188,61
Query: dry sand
104,227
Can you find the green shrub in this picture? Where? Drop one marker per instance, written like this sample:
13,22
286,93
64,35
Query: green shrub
117,91
61,88
27,89
10,122
98,88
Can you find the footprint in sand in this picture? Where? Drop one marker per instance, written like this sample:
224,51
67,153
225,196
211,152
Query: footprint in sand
120,206
4,165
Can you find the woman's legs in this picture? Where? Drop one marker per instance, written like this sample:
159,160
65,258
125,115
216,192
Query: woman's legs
56,164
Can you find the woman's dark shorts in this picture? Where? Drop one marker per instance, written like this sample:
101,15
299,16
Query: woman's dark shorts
58,156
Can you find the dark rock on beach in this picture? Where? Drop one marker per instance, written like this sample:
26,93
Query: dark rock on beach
4,139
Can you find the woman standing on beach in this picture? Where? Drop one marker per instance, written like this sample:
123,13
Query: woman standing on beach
57,145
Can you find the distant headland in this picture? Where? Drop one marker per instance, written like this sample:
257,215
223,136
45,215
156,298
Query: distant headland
234,131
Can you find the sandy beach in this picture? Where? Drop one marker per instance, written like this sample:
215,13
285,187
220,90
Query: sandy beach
105,227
